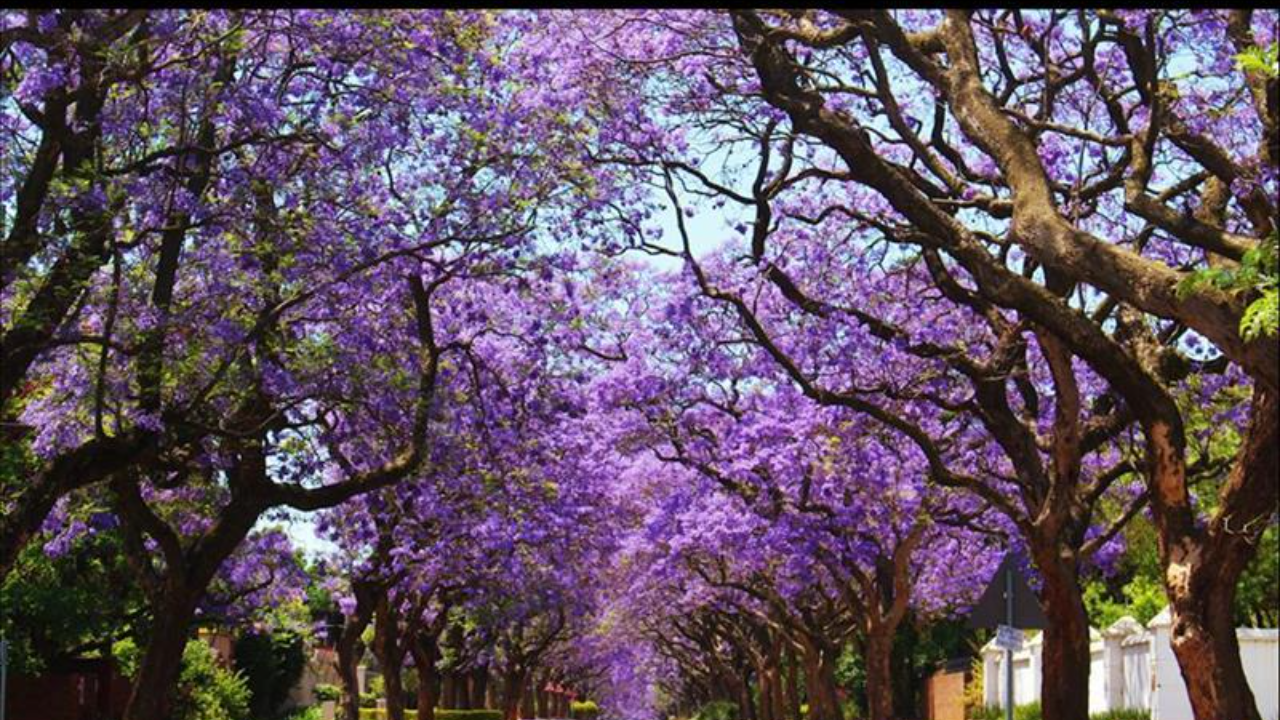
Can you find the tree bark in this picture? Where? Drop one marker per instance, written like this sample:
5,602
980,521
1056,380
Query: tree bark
158,672
449,691
425,655
1203,566
542,699
390,649
1066,638
479,684
351,649
820,683
791,688
526,700
513,684
878,656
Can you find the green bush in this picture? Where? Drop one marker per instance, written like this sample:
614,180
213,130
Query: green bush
324,691
376,714
441,714
272,664
1031,711
310,713
719,710
586,709
205,689
208,691
468,714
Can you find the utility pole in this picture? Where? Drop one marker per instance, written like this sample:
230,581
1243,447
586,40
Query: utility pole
1009,651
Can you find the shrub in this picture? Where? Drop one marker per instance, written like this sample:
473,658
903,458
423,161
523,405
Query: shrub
586,709
468,714
272,664
208,691
324,692
205,689
441,714
376,714
719,710
1031,711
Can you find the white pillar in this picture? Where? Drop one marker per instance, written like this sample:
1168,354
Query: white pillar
992,676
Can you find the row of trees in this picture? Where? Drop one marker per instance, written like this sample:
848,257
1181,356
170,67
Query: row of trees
950,283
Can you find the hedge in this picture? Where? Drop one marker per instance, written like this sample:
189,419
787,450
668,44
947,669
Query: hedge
441,714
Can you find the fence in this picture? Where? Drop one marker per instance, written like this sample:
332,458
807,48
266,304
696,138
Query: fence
1132,666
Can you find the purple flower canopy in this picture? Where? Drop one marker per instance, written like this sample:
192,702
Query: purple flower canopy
385,266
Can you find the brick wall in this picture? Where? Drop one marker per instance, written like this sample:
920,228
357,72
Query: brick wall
944,695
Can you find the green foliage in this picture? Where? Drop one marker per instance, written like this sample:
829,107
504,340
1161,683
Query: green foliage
205,690
271,664
918,648
441,714
310,713
208,691
1031,711
1263,60
325,691
718,710
584,709
1258,592
54,608
1143,599
1126,714
468,714
1255,276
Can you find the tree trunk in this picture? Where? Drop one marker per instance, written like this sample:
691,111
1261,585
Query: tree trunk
544,711
526,701
878,656
158,672
1202,566
425,654
1204,640
791,688
351,649
1065,676
390,649
820,683
449,691
512,692
479,684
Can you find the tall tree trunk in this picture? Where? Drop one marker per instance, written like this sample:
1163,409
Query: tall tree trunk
390,649
158,671
425,654
820,683
878,657
544,710
526,701
1066,637
513,683
791,688
1203,566
449,691
479,685
351,649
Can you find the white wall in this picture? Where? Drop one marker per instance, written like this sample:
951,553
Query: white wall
1148,675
